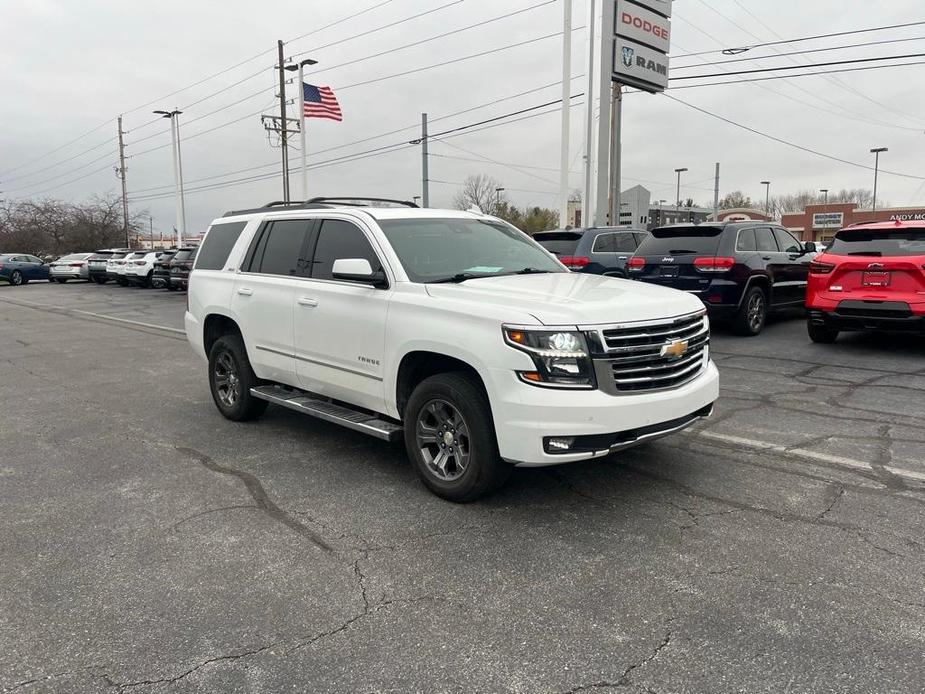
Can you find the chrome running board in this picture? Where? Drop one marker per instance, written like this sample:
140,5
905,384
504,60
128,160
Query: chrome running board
306,403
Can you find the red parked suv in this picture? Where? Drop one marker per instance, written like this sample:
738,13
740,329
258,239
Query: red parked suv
872,277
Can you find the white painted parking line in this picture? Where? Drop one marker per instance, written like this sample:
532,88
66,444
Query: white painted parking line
131,322
806,454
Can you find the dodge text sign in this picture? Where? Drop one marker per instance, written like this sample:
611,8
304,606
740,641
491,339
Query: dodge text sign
639,66
639,24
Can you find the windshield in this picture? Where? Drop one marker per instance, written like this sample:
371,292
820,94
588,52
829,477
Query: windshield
558,242
875,242
434,250
681,240
73,256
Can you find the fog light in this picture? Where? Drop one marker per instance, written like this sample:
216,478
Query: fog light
560,444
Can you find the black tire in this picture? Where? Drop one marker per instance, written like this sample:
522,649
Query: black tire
146,282
62,280
749,320
171,287
820,333
100,280
16,278
483,471
228,358
122,281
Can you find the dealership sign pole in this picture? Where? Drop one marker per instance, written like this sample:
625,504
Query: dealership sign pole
636,37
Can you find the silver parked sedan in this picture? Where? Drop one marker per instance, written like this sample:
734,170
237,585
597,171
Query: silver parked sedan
70,267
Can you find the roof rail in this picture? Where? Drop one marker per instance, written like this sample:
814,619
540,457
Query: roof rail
355,201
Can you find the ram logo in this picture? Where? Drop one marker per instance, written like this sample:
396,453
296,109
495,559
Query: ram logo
628,56
675,349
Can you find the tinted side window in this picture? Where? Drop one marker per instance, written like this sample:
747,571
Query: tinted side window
218,244
604,243
787,243
746,240
624,243
282,251
765,240
339,240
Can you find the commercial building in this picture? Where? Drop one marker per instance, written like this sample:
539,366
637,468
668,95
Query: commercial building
820,222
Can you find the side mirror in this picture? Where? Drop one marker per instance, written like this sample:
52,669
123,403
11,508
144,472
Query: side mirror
358,270
809,247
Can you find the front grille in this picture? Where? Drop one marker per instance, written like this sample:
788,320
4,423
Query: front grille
634,354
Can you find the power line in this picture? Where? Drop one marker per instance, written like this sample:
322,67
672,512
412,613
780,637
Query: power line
56,149
742,49
797,67
787,142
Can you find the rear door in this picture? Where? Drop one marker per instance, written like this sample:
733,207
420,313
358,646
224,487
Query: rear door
33,268
777,265
879,264
264,296
669,254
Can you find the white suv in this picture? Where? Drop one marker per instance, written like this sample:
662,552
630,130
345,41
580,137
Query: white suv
139,267
452,330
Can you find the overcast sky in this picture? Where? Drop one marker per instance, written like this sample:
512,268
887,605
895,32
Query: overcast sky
67,67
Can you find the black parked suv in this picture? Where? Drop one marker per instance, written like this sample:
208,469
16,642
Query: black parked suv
160,278
740,270
600,250
180,266
96,263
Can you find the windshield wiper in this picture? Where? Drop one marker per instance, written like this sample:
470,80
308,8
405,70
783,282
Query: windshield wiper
529,271
458,277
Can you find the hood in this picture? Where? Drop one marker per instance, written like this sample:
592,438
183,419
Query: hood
569,298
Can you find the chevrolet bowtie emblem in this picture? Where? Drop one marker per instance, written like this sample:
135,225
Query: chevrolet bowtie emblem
675,349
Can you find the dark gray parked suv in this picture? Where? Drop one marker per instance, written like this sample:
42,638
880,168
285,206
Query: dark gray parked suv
599,251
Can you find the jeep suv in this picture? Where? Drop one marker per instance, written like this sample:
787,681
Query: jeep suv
601,251
180,266
450,330
872,277
740,270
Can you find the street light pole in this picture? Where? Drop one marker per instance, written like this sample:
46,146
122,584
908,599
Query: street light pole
498,192
876,152
678,195
825,211
177,171
767,198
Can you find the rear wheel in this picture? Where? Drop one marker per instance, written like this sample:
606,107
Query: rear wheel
752,314
62,280
16,279
450,438
146,282
820,333
231,379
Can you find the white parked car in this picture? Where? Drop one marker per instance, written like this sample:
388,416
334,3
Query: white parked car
139,267
70,267
450,330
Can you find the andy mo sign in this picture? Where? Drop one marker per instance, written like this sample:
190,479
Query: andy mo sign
642,38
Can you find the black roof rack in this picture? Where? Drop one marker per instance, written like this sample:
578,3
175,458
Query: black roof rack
320,203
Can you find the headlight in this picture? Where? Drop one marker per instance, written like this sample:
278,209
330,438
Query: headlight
561,357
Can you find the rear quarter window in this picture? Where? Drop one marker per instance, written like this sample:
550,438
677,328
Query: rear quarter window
213,254
558,242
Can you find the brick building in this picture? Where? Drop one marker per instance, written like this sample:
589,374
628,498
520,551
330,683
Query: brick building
820,222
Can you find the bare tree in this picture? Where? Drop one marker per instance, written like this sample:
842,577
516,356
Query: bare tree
735,199
482,192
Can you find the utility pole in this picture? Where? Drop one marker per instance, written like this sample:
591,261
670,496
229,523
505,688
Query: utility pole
767,198
566,109
284,146
425,183
677,207
605,90
177,171
825,212
716,195
122,176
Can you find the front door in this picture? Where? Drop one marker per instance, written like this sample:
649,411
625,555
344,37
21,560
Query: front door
776,263
340,326
797,264
264,295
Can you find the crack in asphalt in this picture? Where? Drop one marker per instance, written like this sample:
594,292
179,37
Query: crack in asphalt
624,679
836,492
259,495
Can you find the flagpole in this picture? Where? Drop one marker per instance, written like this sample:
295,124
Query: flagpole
302,125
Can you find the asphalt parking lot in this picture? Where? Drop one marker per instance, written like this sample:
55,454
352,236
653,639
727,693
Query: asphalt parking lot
147,544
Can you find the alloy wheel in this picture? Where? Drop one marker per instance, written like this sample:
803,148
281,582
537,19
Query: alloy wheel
227,382
756,311
443,438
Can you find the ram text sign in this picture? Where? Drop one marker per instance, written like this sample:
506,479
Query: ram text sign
639,66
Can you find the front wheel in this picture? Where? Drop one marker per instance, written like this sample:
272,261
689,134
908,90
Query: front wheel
231,379
820,333
62,280
752,314
450,438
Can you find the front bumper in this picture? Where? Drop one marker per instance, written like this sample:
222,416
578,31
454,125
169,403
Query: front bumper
526,417
181,281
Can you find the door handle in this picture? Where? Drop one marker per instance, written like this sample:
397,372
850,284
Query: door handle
622,257
305,301
245,291
765,257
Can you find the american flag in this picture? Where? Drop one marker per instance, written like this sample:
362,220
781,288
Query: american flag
320,102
